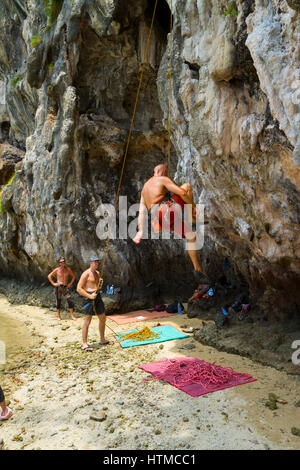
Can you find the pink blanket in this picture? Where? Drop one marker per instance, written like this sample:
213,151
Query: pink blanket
139,315
194,376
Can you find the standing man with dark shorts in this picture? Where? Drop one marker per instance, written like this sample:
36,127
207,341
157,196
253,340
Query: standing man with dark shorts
6,412
93,303
62,286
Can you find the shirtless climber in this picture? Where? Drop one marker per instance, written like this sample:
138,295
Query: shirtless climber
93,303
62,286
154,198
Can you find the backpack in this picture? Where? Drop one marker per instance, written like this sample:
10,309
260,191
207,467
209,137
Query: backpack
173,308
159,308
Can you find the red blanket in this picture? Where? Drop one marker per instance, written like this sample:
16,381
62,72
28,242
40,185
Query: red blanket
139,315
194,376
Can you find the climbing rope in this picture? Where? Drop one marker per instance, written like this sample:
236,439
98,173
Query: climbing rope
140,335
131,126
203,373
170,90
145,333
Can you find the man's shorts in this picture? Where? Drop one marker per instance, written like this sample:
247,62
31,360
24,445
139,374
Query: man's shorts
169,215
63,291
93,307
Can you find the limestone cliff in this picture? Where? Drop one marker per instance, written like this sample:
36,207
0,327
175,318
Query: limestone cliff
236,129
68,78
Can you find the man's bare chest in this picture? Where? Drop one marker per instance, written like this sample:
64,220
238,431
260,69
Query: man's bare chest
93,278
62,272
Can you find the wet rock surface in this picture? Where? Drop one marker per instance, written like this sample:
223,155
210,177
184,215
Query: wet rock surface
266,342
130,298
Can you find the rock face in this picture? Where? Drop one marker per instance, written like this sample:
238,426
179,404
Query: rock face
295,4
9,158
236,128
77,79
68,83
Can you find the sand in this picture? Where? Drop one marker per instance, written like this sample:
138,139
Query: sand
54,389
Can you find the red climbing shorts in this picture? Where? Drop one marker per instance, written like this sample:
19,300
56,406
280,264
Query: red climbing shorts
169,215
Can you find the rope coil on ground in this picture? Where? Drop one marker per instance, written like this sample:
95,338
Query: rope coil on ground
203,373
140,335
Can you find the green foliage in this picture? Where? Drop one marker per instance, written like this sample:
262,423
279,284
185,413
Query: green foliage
16,80
7,184
231,10
35,40
50,66
52,8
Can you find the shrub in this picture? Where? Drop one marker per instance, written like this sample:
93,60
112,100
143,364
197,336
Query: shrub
231,10
35,40
52,8
16,79
7,184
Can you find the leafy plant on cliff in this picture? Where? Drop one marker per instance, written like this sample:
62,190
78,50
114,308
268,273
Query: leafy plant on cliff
52,8
17,78
7,184
35,40
231,10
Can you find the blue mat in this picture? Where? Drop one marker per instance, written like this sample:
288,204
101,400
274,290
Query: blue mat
165,332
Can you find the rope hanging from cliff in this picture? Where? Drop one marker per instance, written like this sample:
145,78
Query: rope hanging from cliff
170,88
132,121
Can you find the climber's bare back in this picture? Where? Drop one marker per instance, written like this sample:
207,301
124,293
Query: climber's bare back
154,190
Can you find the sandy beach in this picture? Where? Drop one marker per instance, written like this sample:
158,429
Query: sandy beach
65,398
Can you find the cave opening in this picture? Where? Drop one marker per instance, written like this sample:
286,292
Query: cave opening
4,131
108,79
162,15
194,68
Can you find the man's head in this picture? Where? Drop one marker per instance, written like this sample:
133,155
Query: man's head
94,262
160,170
61,261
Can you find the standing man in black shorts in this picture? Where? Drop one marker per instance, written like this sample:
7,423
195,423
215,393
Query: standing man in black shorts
93,303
